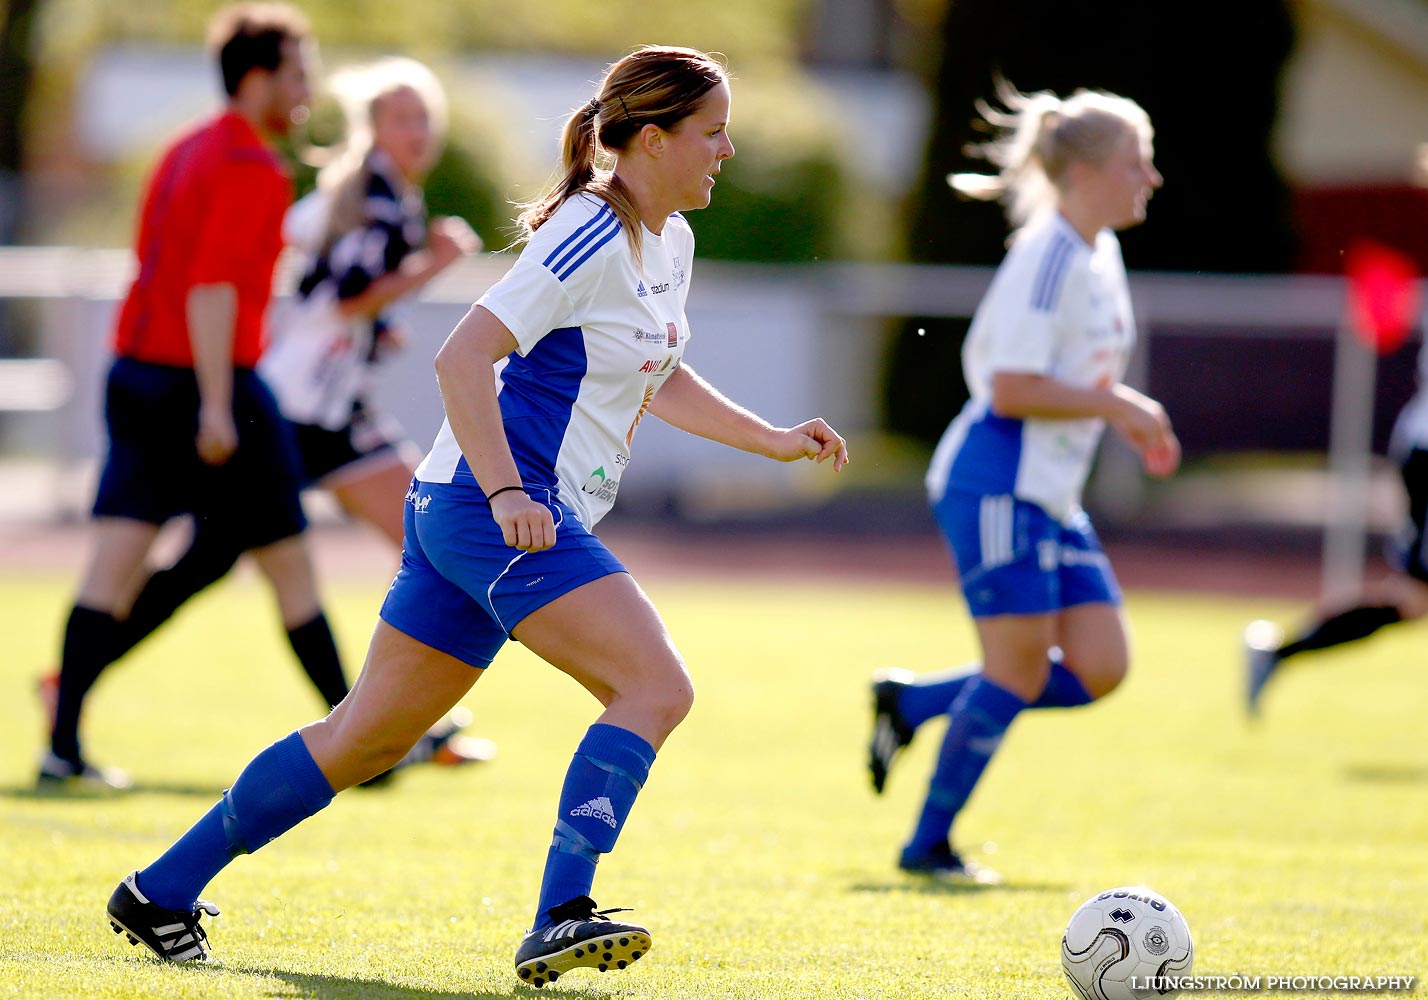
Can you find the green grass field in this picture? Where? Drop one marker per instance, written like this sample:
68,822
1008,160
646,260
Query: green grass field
757,855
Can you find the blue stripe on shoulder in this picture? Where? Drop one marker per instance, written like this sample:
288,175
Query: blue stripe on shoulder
592,229
609,235
594,219
1053,271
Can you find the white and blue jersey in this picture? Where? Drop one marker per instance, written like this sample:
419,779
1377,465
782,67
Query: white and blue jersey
596,338
1056,307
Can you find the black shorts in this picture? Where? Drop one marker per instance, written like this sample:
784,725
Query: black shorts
153,473
324,453
1413,543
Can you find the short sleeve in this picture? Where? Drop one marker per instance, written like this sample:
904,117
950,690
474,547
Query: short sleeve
242,217
1033,305
558,274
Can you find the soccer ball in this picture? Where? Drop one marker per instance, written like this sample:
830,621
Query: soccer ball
1121,941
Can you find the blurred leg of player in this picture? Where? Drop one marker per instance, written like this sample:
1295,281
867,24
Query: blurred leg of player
373,493
1033,585
1401,598
113,573
903,701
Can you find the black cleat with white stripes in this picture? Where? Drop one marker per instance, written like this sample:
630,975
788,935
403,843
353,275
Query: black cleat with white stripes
891,732
579,936
173,935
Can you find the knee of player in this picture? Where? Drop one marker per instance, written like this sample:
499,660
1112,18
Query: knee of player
674,702
1105,676
666,696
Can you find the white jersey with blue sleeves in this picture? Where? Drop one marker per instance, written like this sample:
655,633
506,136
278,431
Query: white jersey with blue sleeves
596,338
1056,307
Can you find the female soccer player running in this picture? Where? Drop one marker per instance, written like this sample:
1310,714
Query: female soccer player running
590,322
1043,362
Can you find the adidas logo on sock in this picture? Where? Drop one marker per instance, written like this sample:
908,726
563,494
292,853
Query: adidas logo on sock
600,808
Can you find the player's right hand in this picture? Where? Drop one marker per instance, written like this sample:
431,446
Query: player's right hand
217,437
525,524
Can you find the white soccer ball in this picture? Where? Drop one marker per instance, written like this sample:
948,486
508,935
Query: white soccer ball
1126,944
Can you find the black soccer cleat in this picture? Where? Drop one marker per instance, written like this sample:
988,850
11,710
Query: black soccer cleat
578,936
891,732
56,774
945,864
173,935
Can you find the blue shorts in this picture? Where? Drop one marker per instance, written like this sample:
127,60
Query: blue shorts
1016,559
461,589
152,471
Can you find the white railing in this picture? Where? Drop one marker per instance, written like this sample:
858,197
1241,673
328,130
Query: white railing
787,340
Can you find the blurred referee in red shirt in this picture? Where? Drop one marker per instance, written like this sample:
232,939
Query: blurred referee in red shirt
192,430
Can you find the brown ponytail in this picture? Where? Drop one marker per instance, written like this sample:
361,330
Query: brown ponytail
654,85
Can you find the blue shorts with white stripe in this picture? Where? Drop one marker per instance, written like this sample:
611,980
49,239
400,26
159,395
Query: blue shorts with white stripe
1016,559
461,589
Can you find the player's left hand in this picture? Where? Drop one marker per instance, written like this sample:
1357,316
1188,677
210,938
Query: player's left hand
812,439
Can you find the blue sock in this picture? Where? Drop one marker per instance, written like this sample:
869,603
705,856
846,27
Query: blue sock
931,695
1063,690
608,770
279,788
980,716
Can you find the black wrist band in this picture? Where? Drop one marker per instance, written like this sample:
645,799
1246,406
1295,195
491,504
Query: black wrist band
503,489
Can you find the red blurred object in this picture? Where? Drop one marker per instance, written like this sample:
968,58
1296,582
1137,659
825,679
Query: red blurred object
1384,300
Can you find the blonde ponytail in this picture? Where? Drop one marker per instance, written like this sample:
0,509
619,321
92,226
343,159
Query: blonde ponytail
1037,139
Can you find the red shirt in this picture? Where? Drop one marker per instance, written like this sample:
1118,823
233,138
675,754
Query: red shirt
212,214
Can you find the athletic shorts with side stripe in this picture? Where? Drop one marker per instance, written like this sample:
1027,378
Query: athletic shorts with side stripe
461,589
1016,559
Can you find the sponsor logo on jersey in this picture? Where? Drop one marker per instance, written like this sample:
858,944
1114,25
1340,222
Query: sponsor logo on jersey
673,331
659,289
600,486
648,336
655,366
678,274
419,503
640,290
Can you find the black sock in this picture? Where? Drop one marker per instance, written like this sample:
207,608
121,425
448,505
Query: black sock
89,639
169,589
1346,626
316,650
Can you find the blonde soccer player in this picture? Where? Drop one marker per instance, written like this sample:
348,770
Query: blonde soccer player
1043,360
